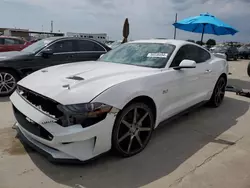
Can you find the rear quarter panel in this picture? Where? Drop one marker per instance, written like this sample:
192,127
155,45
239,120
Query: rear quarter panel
219,66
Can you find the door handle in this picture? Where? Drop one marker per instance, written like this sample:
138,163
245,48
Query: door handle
70,56
208,71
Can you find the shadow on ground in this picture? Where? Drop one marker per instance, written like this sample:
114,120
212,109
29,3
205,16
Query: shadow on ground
4,99
239,83
170,146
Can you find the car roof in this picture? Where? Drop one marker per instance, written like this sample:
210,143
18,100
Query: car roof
51,39
80,38
166,41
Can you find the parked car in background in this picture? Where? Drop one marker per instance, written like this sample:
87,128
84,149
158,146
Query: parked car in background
231,52
81,110
44,53
8,43
244,52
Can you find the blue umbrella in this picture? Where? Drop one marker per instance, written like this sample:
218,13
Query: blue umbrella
205,23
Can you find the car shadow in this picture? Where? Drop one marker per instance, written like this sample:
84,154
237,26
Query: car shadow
4,99
239,83
170,146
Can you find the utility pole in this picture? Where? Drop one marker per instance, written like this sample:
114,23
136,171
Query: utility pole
175,27
51,27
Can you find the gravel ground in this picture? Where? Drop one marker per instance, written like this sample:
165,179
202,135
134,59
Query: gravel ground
206,148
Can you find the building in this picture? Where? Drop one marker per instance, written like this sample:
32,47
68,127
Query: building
102,37
15,32
25,33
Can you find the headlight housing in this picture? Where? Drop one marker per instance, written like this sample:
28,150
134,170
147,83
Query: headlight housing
85,114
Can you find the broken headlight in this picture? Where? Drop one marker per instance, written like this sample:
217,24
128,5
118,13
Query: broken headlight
85,114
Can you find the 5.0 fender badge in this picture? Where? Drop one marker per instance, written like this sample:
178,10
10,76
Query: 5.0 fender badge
66,86
165,91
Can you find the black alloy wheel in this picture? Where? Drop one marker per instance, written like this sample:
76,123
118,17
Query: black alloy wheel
8,80
132,129
218,93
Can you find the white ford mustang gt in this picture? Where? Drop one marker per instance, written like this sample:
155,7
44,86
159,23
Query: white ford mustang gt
81,110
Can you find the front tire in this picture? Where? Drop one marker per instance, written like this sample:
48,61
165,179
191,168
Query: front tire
132,129
8,81
218,93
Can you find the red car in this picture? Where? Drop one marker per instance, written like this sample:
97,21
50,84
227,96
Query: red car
8,43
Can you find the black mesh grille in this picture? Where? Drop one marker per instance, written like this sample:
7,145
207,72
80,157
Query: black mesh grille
31,126
42,103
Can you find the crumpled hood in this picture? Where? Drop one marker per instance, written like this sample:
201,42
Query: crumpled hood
81,82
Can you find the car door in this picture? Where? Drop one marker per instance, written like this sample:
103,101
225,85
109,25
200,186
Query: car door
184,86
63,51
205,73
89,50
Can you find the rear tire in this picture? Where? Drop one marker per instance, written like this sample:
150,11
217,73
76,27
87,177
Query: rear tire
8,82
218,93
132,129
248,69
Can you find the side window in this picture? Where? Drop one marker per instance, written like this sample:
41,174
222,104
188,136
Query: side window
180,55
85,46
190,52
9,41
1,41
63,46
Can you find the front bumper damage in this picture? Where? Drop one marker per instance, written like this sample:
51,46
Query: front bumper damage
58,143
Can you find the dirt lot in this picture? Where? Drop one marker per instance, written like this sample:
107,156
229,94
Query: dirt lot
206,148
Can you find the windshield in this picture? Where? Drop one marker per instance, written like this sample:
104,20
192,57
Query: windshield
153,55
35,47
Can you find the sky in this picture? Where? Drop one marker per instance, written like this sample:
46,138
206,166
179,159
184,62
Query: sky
147,18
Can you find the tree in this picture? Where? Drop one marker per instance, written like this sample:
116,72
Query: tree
211,42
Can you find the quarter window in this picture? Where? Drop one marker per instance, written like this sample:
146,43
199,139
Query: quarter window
85,45
203,55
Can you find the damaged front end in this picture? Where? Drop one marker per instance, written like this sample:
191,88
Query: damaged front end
85,114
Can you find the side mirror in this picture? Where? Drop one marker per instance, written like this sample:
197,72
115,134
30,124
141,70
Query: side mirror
47,53
101,55
186,64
